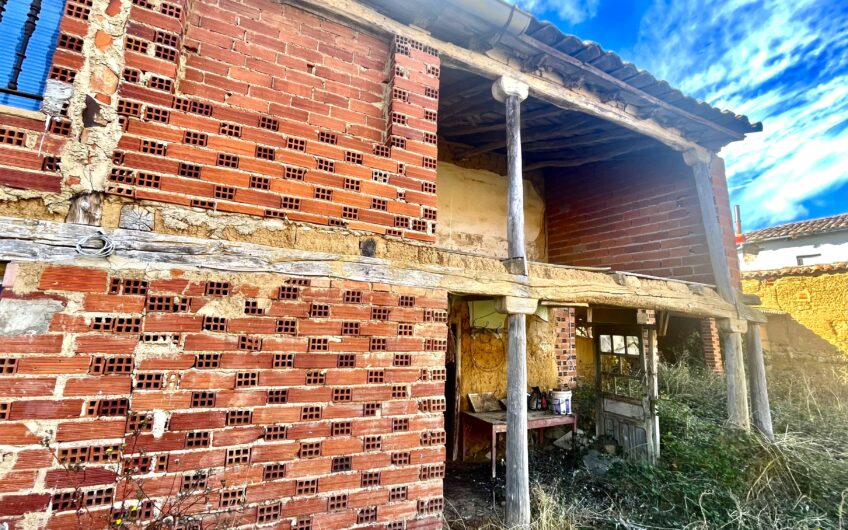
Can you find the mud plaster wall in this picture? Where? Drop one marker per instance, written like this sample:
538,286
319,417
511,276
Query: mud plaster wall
472,212
818,305
483,357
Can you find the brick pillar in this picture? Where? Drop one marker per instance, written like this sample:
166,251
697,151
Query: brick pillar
712,345
566,347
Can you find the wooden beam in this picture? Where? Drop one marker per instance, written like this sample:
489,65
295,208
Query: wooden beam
760,408
734,369
709,218
623,86
29,240
511,93
549,90
571,142
543,133
499,126
597,155
470,106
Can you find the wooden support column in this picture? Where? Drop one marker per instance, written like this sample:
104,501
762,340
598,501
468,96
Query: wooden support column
737,391
512,93
757,379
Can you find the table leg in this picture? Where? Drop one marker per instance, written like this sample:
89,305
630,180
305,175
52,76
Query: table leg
574,440
464,435
540,436
494,453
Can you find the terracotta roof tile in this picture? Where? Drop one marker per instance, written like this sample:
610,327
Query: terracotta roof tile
807,270
834,223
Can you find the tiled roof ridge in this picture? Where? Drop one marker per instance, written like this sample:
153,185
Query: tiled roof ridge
820,225
803,270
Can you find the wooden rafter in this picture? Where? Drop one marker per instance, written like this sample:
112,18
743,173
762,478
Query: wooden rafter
599,154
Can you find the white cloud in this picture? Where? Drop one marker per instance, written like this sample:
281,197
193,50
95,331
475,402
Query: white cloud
571,11
783,63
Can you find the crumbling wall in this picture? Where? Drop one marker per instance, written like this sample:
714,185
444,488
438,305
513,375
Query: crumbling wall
255,109
237,399
816,325
40,181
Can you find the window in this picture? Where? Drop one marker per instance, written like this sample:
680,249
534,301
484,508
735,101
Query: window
809,259
29,30
621,364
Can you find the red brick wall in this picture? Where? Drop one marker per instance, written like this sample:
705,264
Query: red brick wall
565,347
265,382
638,216
712,344
280,114
257,108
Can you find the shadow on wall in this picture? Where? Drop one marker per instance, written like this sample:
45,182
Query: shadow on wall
787,341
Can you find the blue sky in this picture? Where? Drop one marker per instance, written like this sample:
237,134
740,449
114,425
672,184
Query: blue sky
784,63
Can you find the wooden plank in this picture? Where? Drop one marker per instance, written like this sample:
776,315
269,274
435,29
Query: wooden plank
760,408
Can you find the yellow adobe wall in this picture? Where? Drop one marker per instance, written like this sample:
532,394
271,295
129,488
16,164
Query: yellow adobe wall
472,212
819,302
483,357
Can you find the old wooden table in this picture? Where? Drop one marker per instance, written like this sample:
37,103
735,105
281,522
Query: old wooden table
496,422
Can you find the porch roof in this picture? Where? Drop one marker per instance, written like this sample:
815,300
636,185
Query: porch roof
541,46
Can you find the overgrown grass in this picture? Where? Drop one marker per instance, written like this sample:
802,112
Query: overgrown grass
711,476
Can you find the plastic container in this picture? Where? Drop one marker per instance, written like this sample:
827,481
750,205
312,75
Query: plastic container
561,401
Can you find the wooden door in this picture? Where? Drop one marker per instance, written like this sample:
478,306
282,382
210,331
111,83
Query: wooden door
625,368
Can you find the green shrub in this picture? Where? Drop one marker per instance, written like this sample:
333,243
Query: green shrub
713,476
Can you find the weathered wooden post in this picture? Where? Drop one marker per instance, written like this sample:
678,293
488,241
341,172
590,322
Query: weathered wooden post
512,93
757,378
734,369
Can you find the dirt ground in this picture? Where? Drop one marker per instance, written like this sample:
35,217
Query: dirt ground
473,500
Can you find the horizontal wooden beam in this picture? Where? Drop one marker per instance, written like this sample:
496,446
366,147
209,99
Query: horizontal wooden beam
456,128
51,242
571,142
546,89
599,154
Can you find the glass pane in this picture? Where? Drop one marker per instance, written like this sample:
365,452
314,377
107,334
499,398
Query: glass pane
609,364
606,344
618,344
632,345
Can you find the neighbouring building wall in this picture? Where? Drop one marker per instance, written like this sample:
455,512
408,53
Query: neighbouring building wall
814,302
312,403
473,212
638,216
807,250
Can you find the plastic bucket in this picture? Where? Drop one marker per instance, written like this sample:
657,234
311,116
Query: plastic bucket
561,401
